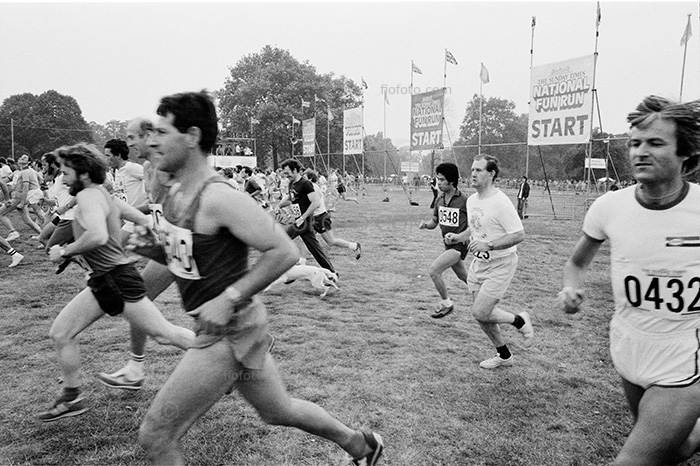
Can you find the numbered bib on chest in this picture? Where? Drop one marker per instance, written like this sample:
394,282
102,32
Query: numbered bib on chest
296,210
177,243
664,290
156,214
448,216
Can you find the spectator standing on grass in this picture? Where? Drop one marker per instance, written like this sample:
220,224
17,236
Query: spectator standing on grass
494,232
450,213
114,287
655,270
302,200
322,220
523,194
218,290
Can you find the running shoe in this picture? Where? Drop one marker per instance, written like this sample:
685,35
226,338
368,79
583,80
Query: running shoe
374,441
119,380
442,311
526,330
12,236
358,251
16,259
64,408
496,362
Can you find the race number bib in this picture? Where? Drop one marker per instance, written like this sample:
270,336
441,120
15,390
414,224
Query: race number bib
448,216
663,290
120,195
296,210
177,244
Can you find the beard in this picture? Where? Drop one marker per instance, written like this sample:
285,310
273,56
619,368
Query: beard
75,187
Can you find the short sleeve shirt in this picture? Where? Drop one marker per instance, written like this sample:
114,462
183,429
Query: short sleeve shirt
299,196
491,219
452,217
654,258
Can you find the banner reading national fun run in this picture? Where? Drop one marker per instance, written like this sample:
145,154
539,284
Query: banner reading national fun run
352,131
427,110
560,102
308,137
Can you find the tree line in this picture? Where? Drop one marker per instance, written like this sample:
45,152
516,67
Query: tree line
266,93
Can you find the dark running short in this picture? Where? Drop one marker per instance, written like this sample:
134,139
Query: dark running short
341,188
461,247
112,289
322,223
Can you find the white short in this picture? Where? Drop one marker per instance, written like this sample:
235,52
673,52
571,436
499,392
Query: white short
34,196
492,277
661,359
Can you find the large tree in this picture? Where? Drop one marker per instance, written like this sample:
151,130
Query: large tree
265,90
503,134
41,123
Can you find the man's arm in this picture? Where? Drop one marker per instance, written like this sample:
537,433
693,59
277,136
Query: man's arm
315,204
504,242
93,216
571,294
222,207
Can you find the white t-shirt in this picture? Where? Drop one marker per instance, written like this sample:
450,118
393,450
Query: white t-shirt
5,173
129,184
490,219
59,192
654,258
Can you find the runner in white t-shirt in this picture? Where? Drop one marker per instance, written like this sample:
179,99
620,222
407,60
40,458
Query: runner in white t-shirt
495,229
654,233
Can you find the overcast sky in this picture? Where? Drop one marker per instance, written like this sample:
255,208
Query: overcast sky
118,59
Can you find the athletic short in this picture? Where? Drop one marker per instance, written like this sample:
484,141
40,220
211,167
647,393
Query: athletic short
247,334
34,196
661,359
493,277
341,189
112,289
322,222
461,247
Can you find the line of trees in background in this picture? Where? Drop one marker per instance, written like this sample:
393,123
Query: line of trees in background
264,91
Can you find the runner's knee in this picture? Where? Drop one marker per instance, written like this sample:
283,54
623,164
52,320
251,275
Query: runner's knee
155,437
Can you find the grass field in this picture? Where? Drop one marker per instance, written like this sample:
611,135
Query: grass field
369,353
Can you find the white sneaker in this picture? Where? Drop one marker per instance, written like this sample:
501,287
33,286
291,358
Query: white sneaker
16,259
12,236
496,362
526,330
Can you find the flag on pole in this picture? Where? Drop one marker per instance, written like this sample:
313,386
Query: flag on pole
450,58
364,84
687,33
330,114
597,18
295,121
304,103
484,75
533,21
386,98
415,69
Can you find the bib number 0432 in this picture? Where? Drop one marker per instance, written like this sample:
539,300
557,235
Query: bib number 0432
676,294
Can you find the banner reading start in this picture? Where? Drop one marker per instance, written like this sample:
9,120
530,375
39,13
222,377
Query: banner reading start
427,110
561,96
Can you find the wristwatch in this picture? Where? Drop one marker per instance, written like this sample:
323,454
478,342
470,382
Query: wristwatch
233,295
490,245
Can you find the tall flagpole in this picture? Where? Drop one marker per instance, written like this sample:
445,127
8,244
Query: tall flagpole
481,104
12,135
594,95
384,133
685,50
532,48
444,80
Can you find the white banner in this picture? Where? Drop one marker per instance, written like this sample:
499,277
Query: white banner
595,163
561,98
230,161
409,167
427,111
352,131
308,137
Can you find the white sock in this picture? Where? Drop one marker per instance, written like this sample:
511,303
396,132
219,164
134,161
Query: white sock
446,302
